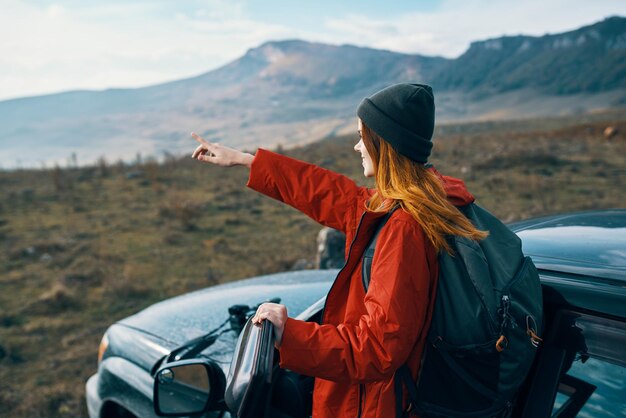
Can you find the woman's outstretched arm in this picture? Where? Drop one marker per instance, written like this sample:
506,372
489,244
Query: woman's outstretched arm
327,197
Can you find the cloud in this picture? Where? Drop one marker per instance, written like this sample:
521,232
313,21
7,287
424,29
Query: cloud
54,11
393,35
449,29
57,48
360,25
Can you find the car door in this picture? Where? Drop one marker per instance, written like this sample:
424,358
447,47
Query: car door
593,380
271,391
581,371
249,378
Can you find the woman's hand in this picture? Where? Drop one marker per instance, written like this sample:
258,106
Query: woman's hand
276,314
219,154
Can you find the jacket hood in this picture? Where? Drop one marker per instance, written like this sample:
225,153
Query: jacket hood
457,193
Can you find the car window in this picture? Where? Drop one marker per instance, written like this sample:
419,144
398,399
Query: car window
595,383
600,387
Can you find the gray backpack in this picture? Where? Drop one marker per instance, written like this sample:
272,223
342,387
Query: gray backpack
485,326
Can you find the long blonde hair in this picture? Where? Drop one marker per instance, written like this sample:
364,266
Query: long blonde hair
417,190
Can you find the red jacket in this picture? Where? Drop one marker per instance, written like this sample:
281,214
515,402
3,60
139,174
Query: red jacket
363,338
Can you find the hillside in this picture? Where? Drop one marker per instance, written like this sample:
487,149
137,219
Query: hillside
294,92
591,59
84,247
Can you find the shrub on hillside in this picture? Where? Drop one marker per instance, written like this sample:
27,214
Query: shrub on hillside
184,211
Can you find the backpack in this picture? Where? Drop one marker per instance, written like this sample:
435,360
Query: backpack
485,325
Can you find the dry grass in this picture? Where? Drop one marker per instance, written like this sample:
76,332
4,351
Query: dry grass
82,248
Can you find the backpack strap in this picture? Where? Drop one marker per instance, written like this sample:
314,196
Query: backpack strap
403,375
368,255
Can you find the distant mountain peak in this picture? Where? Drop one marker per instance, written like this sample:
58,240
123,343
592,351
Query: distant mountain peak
270,52
284,46
590,59
273,52
288,43
288,46
610,32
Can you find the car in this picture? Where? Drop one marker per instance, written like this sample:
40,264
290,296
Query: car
187,344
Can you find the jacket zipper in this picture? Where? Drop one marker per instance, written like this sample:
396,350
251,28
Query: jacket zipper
361,399
356,234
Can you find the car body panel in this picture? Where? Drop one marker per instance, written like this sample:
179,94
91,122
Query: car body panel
133,386
94,401
135,345
577,291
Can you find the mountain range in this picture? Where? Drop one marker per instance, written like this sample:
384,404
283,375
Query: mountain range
292,92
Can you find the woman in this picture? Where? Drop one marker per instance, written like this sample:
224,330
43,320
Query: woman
365,336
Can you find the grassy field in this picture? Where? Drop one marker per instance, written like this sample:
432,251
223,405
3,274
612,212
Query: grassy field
84,247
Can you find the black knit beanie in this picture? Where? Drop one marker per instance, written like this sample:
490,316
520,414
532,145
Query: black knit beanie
403,115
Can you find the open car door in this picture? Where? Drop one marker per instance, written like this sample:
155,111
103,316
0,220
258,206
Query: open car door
249,380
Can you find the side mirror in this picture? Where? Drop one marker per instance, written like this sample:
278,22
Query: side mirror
187,387
250,376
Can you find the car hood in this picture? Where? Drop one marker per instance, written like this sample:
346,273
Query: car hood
180,319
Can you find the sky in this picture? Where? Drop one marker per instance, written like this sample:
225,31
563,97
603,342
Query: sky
53,46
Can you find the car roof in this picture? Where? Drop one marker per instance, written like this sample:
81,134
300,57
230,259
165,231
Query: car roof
591,244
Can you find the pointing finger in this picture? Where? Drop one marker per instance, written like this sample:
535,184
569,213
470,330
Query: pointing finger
200,139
